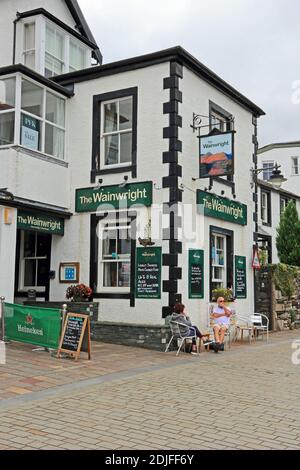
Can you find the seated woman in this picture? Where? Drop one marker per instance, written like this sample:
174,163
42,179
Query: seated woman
221,316
186,328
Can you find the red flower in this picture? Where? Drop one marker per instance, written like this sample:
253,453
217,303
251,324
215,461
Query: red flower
78,292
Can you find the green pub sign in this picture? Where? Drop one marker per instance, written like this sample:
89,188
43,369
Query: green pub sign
40,222
115,197
221,208
240,277
196,274
148,273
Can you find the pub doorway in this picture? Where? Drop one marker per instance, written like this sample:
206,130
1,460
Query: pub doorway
33,257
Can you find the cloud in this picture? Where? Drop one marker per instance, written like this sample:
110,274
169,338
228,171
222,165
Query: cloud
251,44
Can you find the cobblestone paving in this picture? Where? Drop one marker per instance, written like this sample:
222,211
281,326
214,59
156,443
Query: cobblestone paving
245,398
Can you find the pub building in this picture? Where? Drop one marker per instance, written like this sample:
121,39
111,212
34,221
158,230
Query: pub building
110,179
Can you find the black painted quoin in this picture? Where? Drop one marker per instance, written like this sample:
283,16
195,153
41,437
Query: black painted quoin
171,157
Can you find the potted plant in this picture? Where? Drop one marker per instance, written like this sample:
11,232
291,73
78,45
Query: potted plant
222,292
79,293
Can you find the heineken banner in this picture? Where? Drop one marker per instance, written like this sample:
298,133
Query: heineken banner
196,274
240,277
93,199
38,326
148,273
221,208
40,222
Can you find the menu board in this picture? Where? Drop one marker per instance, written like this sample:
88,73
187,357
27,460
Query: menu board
148,273
196,274
76,335
240,277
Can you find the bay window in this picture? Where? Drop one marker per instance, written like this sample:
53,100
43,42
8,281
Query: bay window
31,116
54,53
29,45
77,57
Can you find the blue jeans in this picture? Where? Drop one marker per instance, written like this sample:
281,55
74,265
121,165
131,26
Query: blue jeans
193,331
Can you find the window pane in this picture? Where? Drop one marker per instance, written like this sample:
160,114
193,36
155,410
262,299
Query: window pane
55,109
109,245
124,274
7,93
54,43
29,36
29,244
32,98
29,59
110,117
42,272
111,149
110,274
29,272
126,147
125,114
43,245
7,126
52,66
55,141
77,57
124,245
30,132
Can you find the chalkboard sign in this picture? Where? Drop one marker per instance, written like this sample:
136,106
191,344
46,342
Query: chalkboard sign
196,274
148,273
75,335
240,277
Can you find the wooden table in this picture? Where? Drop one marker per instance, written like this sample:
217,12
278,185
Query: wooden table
250,329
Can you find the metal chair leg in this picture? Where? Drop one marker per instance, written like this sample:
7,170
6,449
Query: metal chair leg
182,341
169,343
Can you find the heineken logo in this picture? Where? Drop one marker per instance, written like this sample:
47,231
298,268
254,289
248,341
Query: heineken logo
29,320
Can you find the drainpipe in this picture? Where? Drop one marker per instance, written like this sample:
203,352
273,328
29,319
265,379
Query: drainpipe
18,16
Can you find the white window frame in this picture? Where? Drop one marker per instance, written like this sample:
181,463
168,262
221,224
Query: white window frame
41,22
221,124
269,163
122,223
118,132
295,166
221,280
21,286
264,207
18,111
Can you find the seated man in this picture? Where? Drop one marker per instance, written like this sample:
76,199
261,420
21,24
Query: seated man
221,316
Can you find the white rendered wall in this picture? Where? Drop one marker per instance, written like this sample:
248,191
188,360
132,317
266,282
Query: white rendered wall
196,96
7,255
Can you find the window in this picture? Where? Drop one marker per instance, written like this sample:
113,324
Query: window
295,166
117,132
219,122
7,110
218,260
284,200
115,259
42,114
265,207
35,260
54,54
77,57
267,170
29,45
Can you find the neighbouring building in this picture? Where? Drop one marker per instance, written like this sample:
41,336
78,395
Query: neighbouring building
104,181
286,154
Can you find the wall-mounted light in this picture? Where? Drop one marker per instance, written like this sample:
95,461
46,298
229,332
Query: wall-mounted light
276,178
99,183
4,193
124,183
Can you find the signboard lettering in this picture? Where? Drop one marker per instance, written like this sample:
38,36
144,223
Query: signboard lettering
240,277
216,154
221,208
40,223
196,274
148,273
76,335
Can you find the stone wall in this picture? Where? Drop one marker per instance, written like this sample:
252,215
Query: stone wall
144,336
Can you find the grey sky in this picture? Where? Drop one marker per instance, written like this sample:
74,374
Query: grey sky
252,44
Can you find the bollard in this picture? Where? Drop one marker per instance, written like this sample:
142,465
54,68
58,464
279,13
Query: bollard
2,317
64,314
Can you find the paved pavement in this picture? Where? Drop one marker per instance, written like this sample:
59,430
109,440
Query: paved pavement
128,398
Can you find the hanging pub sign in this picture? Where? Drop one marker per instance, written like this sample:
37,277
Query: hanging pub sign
240,277
196,274
216,154
148,273
255,260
